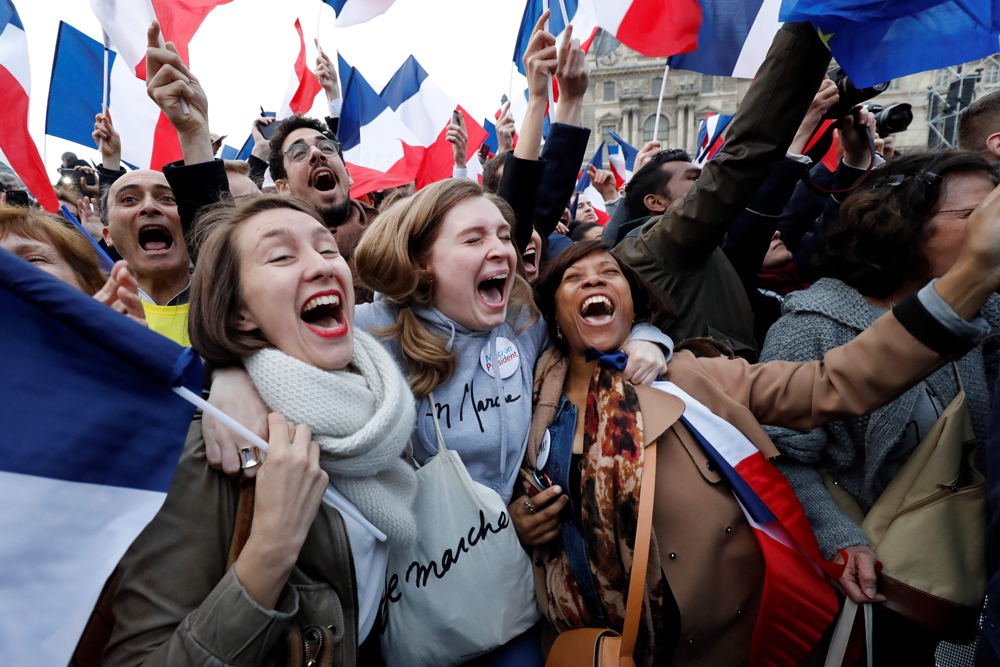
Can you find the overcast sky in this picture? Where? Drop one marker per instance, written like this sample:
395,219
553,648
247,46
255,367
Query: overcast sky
244,51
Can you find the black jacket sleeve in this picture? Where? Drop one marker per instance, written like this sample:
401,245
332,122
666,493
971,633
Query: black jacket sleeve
196,186
563,153
333,123
845,177
257,168
519,187
105,177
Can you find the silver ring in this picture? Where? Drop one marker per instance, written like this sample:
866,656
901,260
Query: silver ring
249,457
527,506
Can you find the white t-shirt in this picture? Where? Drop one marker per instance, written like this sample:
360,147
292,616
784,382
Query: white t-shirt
370,558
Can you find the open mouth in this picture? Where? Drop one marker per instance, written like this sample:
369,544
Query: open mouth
324,316
597,310
492,289
530,258
155,238
323,179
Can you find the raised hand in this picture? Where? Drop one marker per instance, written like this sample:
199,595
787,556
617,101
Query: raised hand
505,129
95,189
326,72
854,138
169,82
825,97
261,146
121,293
604,182
458,137
540,62
573,74
649,149
90,217
111,148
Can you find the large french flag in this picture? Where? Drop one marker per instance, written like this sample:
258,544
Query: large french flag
426,110
17,148
353,12
710,137
92,436
379,150
733,39
798,604
622,160
303,86
585,186
147,135
651,27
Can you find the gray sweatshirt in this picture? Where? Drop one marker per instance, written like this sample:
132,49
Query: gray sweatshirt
484,418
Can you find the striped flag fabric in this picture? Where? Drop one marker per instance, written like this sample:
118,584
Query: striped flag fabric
585,186
82,469
798,604
17,148
711,137
733,39
379,150
303,86
651,27
353,12
426,110
148,138
622,160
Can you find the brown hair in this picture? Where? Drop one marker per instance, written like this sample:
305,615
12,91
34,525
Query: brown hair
876,244
978,122
68,242
241,167
216,288
650,304
276,158
492,171
387,260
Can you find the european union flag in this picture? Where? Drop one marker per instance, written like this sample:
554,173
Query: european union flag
880,41
91,436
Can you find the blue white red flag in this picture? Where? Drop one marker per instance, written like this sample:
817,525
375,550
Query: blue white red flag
148,138
622,160
733,39
353,12
798,604
92,436
711,137
17,148
379,150
491,137
585,186
303,86
651,27
880,41
426,110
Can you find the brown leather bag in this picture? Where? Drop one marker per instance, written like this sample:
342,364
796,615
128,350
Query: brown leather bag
601,647
311,646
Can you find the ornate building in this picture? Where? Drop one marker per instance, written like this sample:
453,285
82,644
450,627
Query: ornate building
625,86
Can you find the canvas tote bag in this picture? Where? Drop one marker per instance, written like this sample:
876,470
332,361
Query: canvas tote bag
928,529
465,587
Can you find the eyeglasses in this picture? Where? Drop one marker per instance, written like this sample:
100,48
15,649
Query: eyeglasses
298,152
926,177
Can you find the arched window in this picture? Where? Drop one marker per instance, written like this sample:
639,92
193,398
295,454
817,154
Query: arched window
647,129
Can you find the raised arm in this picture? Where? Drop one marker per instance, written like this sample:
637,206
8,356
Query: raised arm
757,140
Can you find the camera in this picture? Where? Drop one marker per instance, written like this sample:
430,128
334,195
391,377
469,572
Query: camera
891,119
850,95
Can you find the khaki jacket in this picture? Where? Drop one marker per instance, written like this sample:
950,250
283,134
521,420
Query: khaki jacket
178,605
708,551
679,250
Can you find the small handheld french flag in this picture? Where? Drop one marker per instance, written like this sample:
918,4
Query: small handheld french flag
622,159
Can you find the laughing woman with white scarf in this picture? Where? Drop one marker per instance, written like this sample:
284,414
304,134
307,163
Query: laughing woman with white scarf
272,291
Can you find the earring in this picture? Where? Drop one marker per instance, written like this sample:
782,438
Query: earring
558,332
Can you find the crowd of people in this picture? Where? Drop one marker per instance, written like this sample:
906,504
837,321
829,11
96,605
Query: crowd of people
840,326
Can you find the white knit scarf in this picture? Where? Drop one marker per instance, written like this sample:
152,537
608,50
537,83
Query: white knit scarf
362,424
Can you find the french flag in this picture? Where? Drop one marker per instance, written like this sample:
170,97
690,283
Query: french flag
651,27
585,186
353,12
379,150
303,86
798,604
491,141
92,435
148,138
426,111
17,148
622,160
710,137
733,39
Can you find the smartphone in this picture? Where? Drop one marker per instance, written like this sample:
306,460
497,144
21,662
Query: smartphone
268,130
17,198
456,117
74,176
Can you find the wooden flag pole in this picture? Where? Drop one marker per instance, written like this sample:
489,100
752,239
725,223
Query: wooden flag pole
659,104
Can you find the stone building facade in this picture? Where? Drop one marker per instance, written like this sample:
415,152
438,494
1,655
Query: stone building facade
625,86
